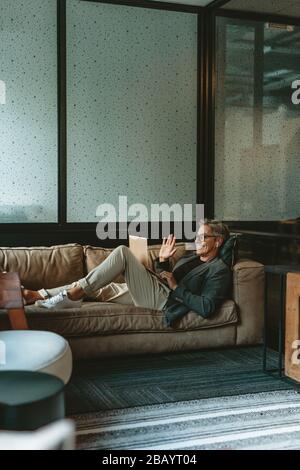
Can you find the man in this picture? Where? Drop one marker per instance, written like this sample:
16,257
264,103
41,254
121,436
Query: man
199,281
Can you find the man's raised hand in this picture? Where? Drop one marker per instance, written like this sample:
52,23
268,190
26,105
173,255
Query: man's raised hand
167,248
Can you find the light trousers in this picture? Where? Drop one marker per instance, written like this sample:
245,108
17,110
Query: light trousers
142,288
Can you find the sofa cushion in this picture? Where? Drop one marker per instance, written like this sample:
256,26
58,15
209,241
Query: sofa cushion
96,255
228,251
44,266
153,252
104,318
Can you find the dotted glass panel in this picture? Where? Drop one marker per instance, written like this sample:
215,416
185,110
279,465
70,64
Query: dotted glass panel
132,107
257,167
194,3
28,111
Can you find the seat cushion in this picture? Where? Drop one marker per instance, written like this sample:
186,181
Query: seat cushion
106,318
41,351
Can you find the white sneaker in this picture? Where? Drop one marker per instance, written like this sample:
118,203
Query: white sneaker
58,301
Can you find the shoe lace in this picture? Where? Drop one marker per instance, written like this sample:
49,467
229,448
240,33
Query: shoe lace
56,298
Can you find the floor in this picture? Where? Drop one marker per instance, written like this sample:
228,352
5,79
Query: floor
117,383
213,399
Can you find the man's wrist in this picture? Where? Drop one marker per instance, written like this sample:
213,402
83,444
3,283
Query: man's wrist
162,260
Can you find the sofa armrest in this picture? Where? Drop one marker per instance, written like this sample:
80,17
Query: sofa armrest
248,294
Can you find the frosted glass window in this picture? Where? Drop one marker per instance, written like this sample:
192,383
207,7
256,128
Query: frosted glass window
132,106
28,114
257,167
195,3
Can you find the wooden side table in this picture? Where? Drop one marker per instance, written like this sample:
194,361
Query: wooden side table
283,272
11,299
292,327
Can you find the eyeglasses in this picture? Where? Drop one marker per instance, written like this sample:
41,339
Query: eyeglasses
204,237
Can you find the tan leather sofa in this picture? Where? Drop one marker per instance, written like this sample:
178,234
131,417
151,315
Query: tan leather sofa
100,329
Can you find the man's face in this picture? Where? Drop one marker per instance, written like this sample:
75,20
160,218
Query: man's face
205,241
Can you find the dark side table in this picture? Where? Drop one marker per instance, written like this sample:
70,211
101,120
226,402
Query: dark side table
29,400
281,271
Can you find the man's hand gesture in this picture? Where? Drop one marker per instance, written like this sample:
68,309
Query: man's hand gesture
167,248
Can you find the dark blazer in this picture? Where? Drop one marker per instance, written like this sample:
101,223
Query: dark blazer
202,289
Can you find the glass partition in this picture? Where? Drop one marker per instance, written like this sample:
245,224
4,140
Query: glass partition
132,107
28,111
257,127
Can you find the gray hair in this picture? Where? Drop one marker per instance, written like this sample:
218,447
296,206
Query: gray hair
218,228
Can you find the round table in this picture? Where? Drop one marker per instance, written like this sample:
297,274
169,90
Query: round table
29,400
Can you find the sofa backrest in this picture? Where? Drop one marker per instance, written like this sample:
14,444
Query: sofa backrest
95,255
153,252
44,266
62,264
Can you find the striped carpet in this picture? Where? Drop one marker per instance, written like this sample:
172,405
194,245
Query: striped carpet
262,421
116,383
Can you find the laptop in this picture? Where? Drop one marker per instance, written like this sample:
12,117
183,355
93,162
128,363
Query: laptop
139,247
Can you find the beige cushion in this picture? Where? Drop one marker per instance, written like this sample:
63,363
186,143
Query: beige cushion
153,252
96,318
96,255
44,266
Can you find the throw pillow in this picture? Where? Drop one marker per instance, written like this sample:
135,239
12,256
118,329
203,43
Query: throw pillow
228,251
